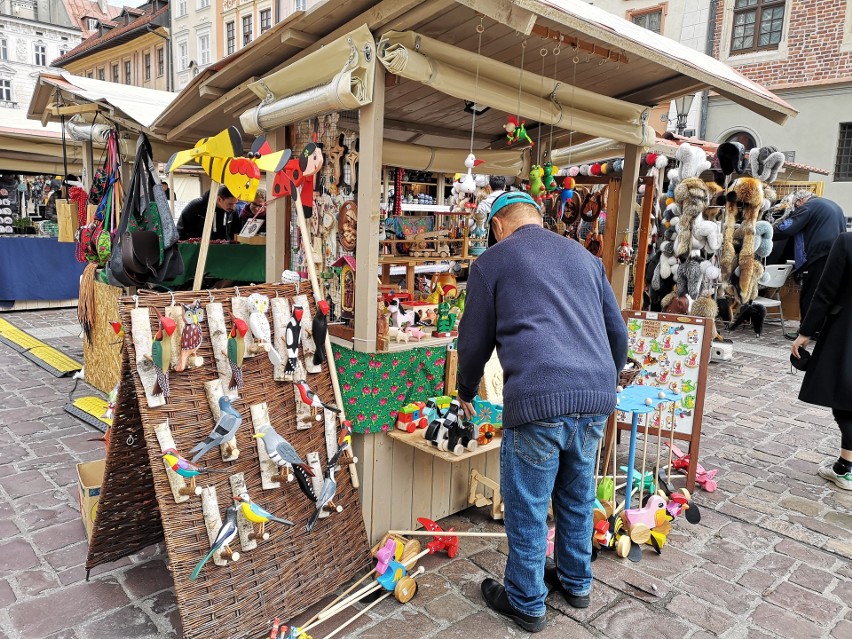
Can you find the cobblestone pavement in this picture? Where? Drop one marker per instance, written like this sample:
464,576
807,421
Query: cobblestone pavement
770,558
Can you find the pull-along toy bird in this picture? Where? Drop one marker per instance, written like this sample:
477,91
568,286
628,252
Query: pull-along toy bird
161,354
227,533
191,336
325,501
319,329
186,468
468,182
257,515
293,336
259,324
223,432
310,398
236,351
283,454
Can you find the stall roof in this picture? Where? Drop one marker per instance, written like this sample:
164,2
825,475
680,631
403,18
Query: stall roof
136,107
29,147
652,69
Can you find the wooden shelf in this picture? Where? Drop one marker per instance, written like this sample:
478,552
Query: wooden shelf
390,259
416,440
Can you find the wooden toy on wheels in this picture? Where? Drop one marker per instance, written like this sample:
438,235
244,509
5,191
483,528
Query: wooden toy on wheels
703,477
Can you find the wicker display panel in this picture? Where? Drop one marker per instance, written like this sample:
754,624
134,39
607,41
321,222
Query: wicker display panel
293,569
102,356
128,519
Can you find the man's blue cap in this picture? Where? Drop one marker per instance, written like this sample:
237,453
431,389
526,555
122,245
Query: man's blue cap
503,200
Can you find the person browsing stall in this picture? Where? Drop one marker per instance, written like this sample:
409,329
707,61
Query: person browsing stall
257,207
544,302
226,223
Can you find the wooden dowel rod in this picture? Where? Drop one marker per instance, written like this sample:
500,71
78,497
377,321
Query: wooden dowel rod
209,216
426,533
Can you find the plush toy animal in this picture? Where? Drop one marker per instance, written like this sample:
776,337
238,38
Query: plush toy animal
536,183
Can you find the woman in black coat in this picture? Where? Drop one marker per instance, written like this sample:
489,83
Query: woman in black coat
828,377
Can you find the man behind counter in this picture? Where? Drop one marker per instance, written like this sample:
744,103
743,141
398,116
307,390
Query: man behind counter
226,223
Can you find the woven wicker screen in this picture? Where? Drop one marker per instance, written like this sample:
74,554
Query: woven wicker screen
285,574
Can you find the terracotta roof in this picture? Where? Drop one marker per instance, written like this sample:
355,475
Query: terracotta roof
80,9
96,42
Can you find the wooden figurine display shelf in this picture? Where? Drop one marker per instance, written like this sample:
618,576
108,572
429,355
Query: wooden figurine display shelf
417,441
284,574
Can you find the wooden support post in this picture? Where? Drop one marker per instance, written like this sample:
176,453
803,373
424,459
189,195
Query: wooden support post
277,219
624,219
369,189
209,216
640,257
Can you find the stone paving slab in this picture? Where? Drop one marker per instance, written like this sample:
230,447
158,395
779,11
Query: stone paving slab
770,558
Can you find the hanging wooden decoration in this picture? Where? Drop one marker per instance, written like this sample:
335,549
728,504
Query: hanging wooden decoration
219,339
280,319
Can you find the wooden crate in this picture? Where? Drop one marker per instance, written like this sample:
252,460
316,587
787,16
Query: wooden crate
790,300
102,355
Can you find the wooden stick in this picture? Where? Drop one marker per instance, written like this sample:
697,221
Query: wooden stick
332,370
209,216
426,533
644,460
341,596
671,443
659,443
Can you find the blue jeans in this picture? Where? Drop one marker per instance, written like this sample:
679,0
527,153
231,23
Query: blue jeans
541,460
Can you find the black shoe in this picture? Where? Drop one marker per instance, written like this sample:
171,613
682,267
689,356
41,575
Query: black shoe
551,578
495,597
791,336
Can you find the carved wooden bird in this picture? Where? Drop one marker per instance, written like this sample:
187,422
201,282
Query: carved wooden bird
319,328
161,354
236,351
227,533
259,324
293,336
191,336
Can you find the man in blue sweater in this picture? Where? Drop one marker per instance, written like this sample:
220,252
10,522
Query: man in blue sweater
544,302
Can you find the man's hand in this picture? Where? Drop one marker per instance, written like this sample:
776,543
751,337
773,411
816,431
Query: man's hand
467,408
800,342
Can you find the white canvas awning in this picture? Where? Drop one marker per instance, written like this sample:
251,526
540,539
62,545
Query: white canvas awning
29,147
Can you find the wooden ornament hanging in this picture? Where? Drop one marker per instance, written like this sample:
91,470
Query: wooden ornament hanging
347,225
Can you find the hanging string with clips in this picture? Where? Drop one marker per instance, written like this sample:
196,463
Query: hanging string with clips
480,28
543,53
521,78
556,51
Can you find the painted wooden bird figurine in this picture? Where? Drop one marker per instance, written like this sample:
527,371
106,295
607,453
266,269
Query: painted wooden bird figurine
310,398
257,515
293,337
161,354
236,351
282,453
186,468
227,533
191,336
224,431
326,496
259,324
117,328
319,329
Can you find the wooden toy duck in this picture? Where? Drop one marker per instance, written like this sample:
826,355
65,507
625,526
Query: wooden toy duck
652,514
468,182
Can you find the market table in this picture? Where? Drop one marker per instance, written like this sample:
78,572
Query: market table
38,268
237,262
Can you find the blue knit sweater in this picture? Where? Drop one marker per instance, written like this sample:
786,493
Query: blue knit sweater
544,302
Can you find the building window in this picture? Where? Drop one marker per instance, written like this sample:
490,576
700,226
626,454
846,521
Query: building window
757,25
300,5
92,24
147,64
90,75
4,49
181,8
115,77
102,73
127,72
246,30
230,38
5,90
161,62
203,4
651,19
265,20
745,138
183,56
63,51
843,165
40,55
204,49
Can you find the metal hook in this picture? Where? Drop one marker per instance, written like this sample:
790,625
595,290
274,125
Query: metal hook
480,28
210,295
136,300
237,291
543,52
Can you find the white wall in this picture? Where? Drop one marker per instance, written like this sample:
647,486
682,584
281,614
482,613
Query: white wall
812,134
198,20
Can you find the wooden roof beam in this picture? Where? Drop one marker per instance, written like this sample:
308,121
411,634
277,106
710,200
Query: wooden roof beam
505,12
430,129
662,91
582,45
219,102
297,38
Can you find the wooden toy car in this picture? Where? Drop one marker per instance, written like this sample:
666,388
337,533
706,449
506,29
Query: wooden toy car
411,417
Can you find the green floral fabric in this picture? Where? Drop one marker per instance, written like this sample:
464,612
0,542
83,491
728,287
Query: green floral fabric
376,385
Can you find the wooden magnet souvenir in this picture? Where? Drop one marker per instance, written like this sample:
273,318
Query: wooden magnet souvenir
227,421
219,533
161,354
220,340
318,479
280,320
245,529
309,347
241,309
293,337
140,329
269,470
260,329
191,337
177,482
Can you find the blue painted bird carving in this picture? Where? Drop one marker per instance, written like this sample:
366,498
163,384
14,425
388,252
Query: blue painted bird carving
191,336
185,468
223,432
325,501
282,453
258,516
227,533
236,351
161,355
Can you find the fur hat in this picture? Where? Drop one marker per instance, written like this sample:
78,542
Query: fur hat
764,231
705,306
693,161
677,304
731,156
765,163
708,234
690,277
692,197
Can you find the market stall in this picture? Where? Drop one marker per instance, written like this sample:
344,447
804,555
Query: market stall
37,269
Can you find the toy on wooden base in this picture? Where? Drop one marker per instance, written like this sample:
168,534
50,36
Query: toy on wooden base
258,516
191,337
282,453
161,355
293,337
224,431
260,329
236,351
449,433
310,398
704,478
446,323
479,500
411,417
